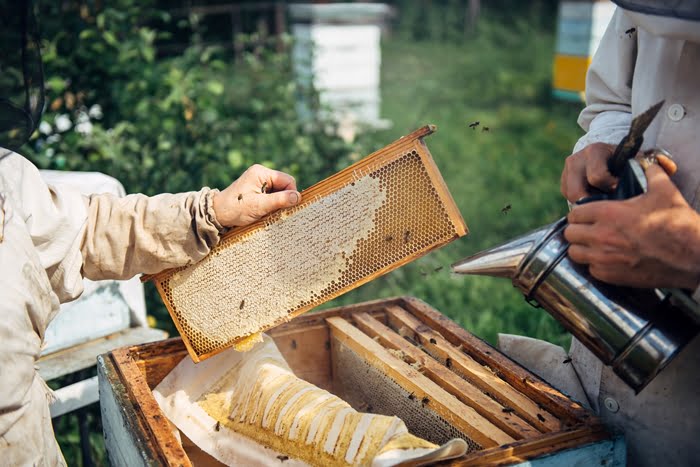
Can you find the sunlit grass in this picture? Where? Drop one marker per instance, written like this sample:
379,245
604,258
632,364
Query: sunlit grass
500,78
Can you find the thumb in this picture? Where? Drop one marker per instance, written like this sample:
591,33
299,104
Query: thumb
657,178
278,200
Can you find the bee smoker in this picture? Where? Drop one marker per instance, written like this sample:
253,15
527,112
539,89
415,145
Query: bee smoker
635,331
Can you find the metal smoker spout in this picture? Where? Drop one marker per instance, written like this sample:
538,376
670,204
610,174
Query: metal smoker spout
635,331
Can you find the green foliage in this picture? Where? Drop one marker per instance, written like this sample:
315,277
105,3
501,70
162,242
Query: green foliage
199,118
451,20
174,124
168,124
501,78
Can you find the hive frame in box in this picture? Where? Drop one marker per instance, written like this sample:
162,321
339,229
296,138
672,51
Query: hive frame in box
418,224
137,432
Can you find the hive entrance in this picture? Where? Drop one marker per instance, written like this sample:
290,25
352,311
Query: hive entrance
382,212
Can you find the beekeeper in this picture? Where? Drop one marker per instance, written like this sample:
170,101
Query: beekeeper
650,52
50,239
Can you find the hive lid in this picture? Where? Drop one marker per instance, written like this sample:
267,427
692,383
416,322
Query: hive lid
368,219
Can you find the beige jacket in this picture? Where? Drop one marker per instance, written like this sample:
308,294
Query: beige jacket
661,60
49,241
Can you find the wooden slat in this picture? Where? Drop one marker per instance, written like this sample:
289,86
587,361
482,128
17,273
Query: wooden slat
127,438
147,409
525,450
74,396
83,356
441,187
476,373
529,384
308,354
462,417
449,381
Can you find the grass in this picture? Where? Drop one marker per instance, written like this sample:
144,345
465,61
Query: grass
500,78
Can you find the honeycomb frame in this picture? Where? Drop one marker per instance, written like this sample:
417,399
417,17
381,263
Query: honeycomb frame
407,156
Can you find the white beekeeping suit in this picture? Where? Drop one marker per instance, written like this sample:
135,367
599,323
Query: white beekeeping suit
642,59
49,240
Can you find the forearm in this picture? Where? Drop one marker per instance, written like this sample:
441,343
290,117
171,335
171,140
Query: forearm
140,234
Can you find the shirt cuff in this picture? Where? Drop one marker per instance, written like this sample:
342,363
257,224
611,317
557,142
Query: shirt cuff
210,213
607,127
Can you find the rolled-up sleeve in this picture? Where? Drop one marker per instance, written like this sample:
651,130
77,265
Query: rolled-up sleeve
608,112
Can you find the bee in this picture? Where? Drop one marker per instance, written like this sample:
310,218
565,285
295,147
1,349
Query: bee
282,458
406,236
217,427
630,31
473,125
506,209
240,196
423,272
263,188
568,360
389,238
294,344
240,307
412,396
425,401
448,362
433,341
508,410
540,417
437,269
485,128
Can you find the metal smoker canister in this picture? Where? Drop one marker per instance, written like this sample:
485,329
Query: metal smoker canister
635,331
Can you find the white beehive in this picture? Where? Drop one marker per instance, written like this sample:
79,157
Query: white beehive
337,49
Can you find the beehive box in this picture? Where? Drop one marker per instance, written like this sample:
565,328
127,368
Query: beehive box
580,27
396,357
372,217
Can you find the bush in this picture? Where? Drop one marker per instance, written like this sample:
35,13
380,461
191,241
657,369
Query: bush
173,124
168,124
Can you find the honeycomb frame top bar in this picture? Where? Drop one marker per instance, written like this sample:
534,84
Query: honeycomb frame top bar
384,211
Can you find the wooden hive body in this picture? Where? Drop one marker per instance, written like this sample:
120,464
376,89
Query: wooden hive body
438,378
372,217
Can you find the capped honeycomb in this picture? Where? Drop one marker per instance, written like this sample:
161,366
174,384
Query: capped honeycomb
382,212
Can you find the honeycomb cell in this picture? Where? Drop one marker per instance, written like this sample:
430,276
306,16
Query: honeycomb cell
311,253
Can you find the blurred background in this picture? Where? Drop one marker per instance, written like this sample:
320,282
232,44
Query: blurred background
169,96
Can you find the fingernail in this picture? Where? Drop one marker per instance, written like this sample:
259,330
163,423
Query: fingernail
293,197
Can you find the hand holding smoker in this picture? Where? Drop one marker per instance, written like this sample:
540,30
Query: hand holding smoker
636,331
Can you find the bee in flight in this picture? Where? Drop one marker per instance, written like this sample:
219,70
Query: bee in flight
630,31
473,125
506,209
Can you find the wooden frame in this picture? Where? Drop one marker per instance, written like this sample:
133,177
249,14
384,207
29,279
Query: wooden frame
137,432
380,158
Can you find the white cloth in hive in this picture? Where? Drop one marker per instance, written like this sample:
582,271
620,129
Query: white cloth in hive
248,408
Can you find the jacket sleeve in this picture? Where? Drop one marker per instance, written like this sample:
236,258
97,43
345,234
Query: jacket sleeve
608,112
140,234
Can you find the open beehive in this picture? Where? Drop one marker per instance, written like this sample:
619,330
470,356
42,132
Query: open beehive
395,357
368,219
